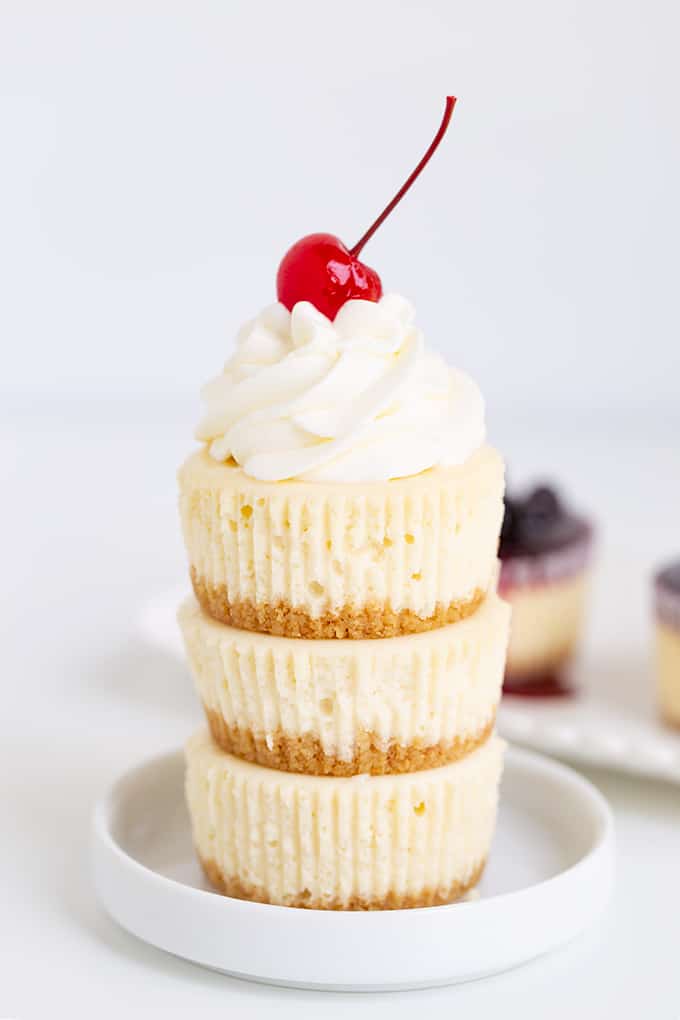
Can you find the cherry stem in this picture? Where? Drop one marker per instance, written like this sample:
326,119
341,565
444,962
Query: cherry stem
434,145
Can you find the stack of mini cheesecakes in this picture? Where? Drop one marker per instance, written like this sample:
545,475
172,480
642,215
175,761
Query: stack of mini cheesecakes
348,646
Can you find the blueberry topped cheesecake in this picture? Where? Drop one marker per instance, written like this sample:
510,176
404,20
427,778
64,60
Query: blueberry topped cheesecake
667,614
545,553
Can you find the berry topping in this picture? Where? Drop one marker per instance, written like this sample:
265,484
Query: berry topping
508,528
667,595
538,522
668,579
321,269
545,685
543,504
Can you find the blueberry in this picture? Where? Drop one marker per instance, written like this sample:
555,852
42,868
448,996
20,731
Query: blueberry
539,514
669,578
509,528
543,503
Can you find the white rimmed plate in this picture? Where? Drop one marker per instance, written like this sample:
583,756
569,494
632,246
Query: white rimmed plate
611,723
549,877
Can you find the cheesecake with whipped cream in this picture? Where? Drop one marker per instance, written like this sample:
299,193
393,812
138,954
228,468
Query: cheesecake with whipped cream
344,488
340,708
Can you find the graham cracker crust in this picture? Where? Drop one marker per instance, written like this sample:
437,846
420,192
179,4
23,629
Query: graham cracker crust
374,620
669,719
304,753
234,887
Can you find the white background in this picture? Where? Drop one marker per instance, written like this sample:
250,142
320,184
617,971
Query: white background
156,161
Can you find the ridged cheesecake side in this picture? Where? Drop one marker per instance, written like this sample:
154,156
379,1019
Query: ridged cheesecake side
324,560
667,615
362,843
668,671
547,621
346,707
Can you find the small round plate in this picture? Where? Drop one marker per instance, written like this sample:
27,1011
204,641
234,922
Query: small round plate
549,876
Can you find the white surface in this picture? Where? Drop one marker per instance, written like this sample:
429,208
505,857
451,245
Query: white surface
612,723
157,621
548,879
155,166
89,533
159,158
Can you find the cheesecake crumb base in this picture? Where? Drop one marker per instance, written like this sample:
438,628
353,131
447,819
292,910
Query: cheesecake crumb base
231,885
373,620
304,753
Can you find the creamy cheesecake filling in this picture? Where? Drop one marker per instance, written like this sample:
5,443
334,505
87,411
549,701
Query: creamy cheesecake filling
341,707
333,843
668,671
546,625
339,560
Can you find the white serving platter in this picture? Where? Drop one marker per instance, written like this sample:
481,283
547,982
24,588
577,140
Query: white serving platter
611,723
549,877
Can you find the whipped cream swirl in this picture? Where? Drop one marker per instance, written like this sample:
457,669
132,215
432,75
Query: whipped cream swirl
352,400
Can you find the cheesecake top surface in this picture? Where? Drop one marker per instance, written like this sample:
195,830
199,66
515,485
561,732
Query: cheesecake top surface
201,470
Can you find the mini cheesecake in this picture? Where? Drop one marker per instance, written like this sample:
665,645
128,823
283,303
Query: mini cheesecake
667,613
327,707
360,843
545,554
342,560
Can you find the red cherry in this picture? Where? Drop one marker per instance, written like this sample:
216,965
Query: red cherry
321,269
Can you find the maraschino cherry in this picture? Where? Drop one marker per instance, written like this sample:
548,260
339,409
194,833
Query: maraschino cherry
320,269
